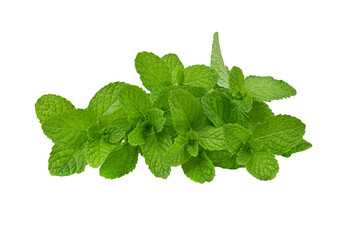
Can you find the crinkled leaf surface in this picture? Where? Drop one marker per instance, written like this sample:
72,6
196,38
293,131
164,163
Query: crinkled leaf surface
236,136
199,169
217,63
96,151
262,165
212,138
176,68
302,146
200,76
223,159
217,106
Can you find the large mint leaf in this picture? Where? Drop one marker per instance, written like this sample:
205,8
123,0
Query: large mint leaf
68,128
135,101
120,162
50,105
199,169
65,160
96,151
267,88
200,76
186,111
152,69
154,150
262,165
223,159
176,68
217,107
280,133
105,101
217,63
212,138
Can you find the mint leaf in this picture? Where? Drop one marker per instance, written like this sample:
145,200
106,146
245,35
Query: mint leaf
95,131
152,69
245,103
176,68
154,150
280,133
200,169
65,160
105,100
302,146
156,118
68,128
217,107
212,138
192,148
243,156
200,76
223,159
137,136
135,101
259,113
262,165
236,136
217,63
96,151
120,162
50,105
267,88
236,80
113,134
186,111
177,153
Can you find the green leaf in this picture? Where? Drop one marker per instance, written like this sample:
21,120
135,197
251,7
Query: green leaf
135,101
267,88
223,159
212,138
177,153
200,169
152,69
200,76
193,148
176,68
50,105
259,113
156,118
113,134
68,128
137,136
236,80
160,94
217,107
217,63
95,131
245,103
236,136
65,160
280,133
120,162
154,150
105,101
187,113
262,165
96,151
243,156
302,146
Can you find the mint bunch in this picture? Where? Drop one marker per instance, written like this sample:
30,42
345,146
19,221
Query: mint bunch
199,117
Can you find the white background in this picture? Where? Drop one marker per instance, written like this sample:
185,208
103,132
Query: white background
73,48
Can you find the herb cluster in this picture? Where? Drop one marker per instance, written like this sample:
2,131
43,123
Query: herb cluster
198,117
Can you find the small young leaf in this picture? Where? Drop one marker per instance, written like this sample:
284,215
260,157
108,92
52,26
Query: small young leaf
96,151
236,80
243,156
192,148
137,136
200,169
50,105
236,136
156,118
95,131
217,107
113,134
177,153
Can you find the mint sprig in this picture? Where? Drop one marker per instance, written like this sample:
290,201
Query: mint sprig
199,117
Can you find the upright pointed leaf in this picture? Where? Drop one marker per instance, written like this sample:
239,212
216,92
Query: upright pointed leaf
217,63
